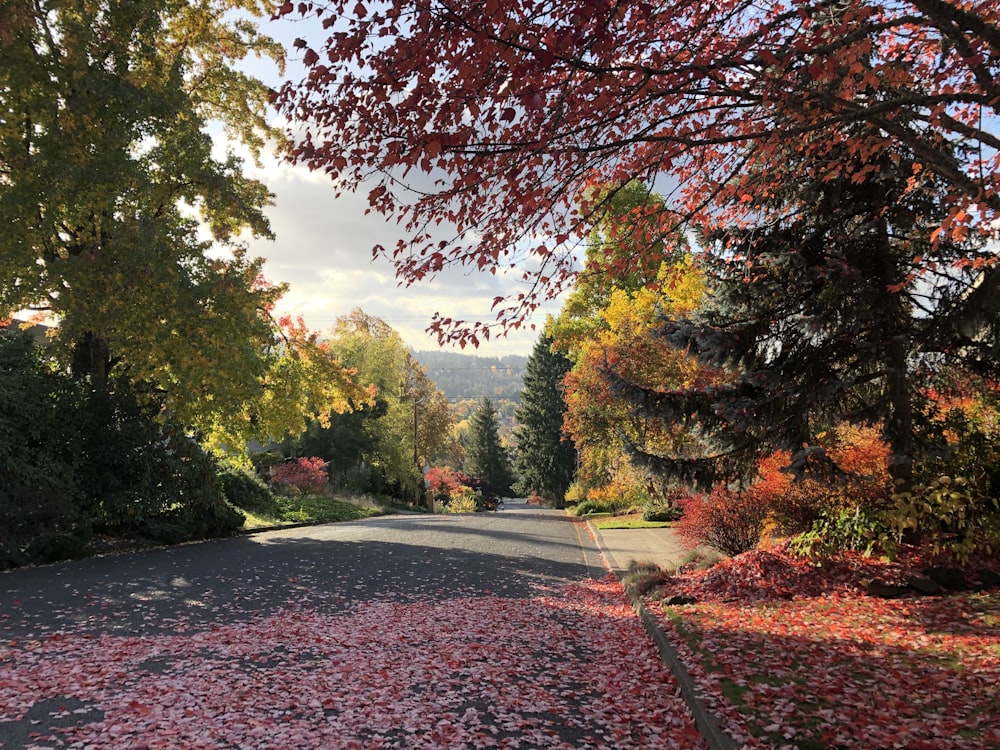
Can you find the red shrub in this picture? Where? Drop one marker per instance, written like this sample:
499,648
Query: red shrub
734,522
443,483
306,474
862,457
731,522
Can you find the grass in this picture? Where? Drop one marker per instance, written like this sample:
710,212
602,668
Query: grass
642,578
699,559
314,509
630,521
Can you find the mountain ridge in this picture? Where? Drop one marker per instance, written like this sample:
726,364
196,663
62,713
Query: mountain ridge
469,376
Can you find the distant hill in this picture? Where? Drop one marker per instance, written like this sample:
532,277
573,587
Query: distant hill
466,376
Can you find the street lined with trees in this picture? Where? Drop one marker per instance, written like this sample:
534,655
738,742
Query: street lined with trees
777,226
446,631
832,169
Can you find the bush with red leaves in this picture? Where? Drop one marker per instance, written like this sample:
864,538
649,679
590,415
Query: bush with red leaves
731,522
445,483
861,482
308,475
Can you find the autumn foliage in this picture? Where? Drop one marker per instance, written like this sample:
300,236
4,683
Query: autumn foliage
731,522
849,474
503,114
307,475
445,485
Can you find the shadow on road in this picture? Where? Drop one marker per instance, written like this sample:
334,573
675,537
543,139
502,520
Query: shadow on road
327,568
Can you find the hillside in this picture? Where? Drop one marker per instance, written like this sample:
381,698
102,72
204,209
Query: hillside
467,376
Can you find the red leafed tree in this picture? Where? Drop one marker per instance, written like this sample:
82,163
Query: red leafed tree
479,125
305,474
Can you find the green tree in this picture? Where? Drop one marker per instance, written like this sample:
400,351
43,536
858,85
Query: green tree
486,458
409,421
545,460
615,259
108,176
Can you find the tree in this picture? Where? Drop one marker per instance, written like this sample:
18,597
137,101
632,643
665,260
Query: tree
834,306
75,460
432,417
107,182
545,460
618,259
607,323
485,457
508,112
607,428
407,423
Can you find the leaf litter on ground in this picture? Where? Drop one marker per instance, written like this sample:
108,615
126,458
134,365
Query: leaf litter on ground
791,653
567,668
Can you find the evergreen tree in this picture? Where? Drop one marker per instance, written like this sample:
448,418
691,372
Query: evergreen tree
835,306
545,460
485,457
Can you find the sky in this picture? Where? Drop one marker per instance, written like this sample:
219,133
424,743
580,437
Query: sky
323,250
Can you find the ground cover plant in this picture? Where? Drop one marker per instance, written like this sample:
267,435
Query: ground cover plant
793,654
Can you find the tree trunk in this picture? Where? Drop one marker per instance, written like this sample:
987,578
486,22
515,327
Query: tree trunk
899,427
91,358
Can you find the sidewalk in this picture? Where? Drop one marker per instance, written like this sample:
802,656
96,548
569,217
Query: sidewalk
662,547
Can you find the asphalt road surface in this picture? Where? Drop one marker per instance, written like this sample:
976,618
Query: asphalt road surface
485,630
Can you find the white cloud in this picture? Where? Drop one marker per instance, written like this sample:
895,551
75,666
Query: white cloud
323,250
323,247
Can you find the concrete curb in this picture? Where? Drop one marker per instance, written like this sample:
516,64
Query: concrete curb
706,722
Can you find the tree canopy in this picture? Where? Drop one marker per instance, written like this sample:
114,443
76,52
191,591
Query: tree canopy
108,179
480,127
835,303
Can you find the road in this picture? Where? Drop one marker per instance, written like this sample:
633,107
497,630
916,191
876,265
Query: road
415,631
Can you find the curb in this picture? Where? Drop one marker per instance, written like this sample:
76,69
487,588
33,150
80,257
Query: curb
706,722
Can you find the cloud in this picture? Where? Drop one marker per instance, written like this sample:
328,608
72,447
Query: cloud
323,250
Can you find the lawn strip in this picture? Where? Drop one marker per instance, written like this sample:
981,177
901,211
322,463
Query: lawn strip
847,671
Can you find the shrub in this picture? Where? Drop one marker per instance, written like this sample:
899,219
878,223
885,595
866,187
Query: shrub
190,494
445,484
950,513
661,513
76,458
731,522
861,482
463,500
246,491
839,530
40,445
39,526
576,494
604,499
592,506
307,475
608,495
